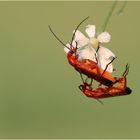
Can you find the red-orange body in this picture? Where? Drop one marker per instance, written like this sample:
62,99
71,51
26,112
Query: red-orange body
105,92
91,69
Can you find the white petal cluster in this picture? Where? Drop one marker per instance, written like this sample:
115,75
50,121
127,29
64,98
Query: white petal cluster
86,47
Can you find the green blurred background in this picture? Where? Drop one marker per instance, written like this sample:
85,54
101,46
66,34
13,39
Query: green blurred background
39,95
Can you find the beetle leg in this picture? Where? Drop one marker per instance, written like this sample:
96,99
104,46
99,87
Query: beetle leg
91,81
122,81
82,77
86,79
76,49
76,45
126,71
108,65
91,94
100,101
97,48
96,58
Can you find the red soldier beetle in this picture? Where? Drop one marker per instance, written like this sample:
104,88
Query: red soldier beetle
91,69
106,92
86,66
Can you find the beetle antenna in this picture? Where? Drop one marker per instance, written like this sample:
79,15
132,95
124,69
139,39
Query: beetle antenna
57,37
77,29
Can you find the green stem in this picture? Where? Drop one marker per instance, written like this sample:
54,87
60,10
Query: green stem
122,8
109,16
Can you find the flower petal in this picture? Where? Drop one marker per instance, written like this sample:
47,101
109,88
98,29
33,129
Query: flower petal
105,56
86,53
90,30
80,38
104,37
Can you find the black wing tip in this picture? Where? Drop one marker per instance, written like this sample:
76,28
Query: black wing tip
128,90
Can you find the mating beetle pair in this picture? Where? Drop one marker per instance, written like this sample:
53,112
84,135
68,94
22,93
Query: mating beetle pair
92,70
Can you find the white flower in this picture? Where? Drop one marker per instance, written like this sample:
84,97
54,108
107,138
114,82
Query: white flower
86,47
93,40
